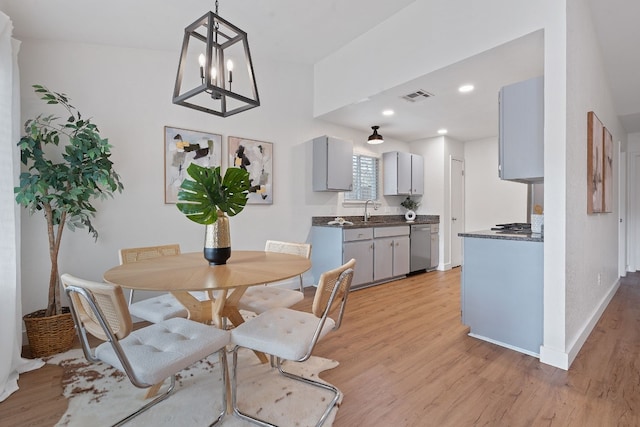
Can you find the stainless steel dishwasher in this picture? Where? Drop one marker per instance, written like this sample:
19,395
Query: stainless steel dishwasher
420,247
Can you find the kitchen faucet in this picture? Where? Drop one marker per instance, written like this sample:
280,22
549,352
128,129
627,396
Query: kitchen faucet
366,214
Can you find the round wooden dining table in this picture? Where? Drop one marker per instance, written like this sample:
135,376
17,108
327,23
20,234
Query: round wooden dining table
182,273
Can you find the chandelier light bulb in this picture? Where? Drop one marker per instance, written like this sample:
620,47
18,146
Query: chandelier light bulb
201,62
230,68
214,74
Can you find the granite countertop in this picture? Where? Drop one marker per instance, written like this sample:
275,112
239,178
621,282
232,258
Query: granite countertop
501,235
374,221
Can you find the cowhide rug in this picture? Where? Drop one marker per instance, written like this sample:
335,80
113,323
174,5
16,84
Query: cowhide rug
100,395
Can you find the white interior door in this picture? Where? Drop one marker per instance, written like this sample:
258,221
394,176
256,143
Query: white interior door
457,211
622,211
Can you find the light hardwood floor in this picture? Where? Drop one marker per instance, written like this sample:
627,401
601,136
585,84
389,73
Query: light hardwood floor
405,360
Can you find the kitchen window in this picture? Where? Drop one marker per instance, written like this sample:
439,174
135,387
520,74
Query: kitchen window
365,179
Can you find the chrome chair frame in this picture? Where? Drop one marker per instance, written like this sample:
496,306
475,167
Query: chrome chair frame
345,275
122,357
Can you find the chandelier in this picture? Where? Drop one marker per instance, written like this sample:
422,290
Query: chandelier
211,50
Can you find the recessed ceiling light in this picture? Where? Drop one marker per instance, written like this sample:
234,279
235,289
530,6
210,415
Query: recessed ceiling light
388,113
465,88
442,131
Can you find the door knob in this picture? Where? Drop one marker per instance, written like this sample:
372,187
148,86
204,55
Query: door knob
454,219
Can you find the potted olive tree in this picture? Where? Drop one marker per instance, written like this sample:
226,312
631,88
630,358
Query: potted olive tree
62,184
207,197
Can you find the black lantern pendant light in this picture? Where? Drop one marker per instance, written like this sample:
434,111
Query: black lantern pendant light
211,49
375,137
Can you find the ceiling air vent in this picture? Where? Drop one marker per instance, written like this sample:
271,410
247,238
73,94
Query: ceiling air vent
417,96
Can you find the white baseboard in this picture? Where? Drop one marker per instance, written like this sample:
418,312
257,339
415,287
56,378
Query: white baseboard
574,348
554,357
563,360
502,344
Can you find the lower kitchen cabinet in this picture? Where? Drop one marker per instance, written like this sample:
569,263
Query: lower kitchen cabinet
362,252
502,291
391,254
381,253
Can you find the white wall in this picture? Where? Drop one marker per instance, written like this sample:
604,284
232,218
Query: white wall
452,149
432,152
437,198
434,200
488,199
592,249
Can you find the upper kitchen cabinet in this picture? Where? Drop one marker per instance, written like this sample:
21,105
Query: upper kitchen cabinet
522,131
332,164
403,173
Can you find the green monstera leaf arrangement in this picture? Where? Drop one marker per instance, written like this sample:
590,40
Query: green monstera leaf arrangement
207,192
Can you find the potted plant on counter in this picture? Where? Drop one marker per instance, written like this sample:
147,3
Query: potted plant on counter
208,198
61,183
410,205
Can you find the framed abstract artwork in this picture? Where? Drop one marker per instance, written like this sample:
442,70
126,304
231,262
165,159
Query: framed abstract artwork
256,157
183,147
595,164
607,170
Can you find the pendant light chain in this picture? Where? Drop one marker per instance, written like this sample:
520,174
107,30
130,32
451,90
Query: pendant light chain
217,23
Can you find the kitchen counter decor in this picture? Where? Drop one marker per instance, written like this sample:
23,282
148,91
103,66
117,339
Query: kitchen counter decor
206,198
374,221
410,205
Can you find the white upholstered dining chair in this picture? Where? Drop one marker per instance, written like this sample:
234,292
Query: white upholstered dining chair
292,335
148,355
259,299
161,307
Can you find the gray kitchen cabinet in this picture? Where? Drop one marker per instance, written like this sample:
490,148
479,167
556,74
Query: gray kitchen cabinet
332,164
381,253
521,134
403,173
502,292
362,252
334,246
391,252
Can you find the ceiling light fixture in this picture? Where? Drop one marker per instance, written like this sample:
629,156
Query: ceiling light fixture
217,44
388,113
375,137
442,131
465,88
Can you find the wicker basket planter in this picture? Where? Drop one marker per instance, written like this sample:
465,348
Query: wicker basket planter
49,335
